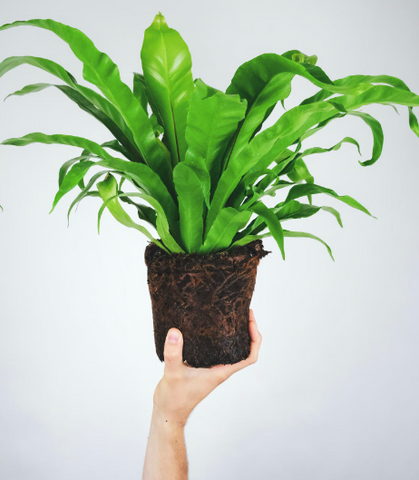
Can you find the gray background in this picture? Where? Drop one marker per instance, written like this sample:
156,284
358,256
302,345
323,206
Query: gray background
335,391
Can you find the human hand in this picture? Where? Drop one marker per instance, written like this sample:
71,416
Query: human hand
183,387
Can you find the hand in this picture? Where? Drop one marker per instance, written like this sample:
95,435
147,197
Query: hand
183,387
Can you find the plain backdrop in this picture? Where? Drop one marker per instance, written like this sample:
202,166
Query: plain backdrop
335,392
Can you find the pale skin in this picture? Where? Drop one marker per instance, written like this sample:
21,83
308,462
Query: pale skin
177,394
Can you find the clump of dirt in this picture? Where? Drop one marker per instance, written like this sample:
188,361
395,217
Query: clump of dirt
207,297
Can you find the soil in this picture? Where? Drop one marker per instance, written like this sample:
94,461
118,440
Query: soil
207,297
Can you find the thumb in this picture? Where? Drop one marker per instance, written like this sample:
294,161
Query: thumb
173,349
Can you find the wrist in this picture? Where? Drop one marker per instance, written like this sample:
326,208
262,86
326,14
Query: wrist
167,420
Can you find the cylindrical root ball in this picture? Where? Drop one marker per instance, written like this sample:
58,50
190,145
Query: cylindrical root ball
207,297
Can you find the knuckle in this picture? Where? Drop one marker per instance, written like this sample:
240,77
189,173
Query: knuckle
221,377
253,359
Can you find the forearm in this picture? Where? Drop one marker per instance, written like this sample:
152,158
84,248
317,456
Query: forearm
165,456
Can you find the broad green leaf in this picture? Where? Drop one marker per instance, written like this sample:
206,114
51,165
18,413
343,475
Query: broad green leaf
266,79
167,64
272,222
262,82
108,191
76,173
139,90
225,226
265,147
191,207
149,182
162,226
288,233
212,119
155,118
99,70
199,167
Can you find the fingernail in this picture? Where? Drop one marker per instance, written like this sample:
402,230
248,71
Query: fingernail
173,336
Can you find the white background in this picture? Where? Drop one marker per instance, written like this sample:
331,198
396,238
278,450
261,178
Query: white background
335,392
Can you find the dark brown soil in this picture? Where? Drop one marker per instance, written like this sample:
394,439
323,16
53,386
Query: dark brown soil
207,297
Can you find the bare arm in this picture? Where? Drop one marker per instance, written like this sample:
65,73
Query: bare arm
177,394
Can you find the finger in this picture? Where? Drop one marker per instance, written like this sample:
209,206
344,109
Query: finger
173,351
255,335
255,342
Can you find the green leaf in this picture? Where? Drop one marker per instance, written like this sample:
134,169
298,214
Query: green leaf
287,211
301,190
247,239
162,225
262,82
99,70
144,213
266,79
265,147
77,172
149,182
199,167
379,94
38,137
315,150
300,172
295,210
167,64
155,118
272,222
378,136
139,90
212,119
108,191
288,233
84,193
259,193
144,176
225,226
334,212
354,79
65,166
191,207
86,98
